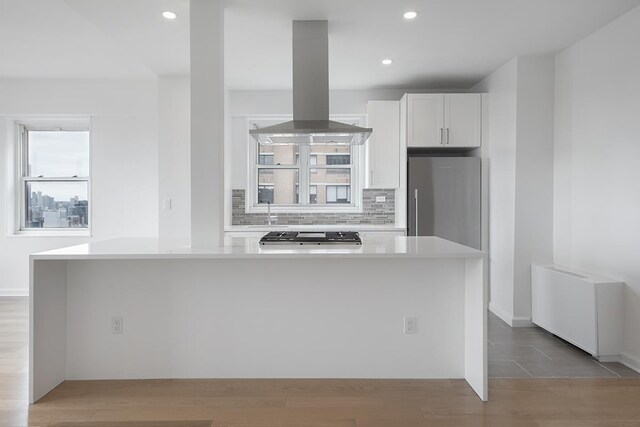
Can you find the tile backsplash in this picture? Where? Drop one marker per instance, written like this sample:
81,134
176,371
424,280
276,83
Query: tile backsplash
373,213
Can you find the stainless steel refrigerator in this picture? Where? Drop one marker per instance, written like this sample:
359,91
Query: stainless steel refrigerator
444,198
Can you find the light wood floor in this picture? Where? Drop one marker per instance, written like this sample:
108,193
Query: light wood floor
514,402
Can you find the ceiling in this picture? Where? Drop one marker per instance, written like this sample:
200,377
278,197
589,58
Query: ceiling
452,43
93,38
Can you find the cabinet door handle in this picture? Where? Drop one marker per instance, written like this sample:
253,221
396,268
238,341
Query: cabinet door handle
447,136
415,197
441,139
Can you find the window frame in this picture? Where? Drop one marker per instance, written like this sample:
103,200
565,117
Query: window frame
22,127
304,173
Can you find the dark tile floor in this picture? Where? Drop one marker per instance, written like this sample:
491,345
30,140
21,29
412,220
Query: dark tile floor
534,352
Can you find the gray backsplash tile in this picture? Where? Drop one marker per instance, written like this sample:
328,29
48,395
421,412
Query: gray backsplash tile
373,213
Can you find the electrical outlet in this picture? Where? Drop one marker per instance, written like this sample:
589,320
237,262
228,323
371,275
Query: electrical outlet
410,325
116,325
381,199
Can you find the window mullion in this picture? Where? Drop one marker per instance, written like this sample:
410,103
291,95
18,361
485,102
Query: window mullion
305,151
22,164
22,203
57,178
254,187
24,153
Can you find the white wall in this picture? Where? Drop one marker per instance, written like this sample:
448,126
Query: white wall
534,176
519,144
174,157
597,149
499,145
124,161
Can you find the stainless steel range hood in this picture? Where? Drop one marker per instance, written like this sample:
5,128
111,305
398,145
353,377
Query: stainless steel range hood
311,124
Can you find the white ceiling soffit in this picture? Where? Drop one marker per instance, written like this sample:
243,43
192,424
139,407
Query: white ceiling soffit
451,44
138,26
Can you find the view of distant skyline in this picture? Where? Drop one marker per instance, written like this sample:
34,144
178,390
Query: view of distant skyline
61,191
45,211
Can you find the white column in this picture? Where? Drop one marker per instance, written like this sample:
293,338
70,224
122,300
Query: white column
207,122
174,158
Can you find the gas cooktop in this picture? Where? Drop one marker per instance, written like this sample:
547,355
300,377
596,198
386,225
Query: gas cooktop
311,238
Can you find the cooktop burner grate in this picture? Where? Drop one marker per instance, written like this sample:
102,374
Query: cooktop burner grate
311,238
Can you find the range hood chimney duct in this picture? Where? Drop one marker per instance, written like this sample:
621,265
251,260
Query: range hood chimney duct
311,124
310,70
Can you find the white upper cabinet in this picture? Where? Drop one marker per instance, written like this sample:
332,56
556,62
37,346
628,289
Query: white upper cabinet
443,120
463,120
383,146
425,120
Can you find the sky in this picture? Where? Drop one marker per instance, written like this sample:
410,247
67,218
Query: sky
56,154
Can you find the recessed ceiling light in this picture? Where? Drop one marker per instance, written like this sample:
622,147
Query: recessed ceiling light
410,15
169,15
387,62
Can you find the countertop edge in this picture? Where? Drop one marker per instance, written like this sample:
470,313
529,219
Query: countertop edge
71,257
379,247
260,229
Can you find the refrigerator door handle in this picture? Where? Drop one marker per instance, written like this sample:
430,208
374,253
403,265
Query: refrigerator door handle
415,197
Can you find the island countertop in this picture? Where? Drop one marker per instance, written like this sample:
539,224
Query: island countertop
249,247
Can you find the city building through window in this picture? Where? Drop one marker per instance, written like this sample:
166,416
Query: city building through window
301,177
54,181
324,172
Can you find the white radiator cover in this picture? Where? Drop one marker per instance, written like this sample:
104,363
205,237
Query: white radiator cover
581,308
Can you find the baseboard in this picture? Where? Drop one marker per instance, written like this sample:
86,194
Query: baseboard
506,317
14,293
605,359
514,322
630,361
521,322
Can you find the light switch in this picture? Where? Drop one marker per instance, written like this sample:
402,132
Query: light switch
381,199
166,204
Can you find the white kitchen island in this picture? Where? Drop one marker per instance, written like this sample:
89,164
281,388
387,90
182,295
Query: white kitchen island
246,311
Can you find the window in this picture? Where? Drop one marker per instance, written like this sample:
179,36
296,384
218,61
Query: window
265,193
313,195
277,174
333,169
266,159
54,174
292,177
313,160
338,159
338,194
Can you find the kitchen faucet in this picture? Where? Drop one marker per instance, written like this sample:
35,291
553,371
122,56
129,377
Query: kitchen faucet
269,217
